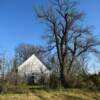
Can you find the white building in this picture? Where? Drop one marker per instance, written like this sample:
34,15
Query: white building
32,66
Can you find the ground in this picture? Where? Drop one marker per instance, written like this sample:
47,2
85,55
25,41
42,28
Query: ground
69,94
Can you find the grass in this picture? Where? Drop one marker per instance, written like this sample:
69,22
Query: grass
68,94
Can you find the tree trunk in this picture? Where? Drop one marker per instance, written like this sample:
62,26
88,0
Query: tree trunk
62,76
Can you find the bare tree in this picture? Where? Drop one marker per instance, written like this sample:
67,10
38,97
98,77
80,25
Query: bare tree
3,70
24,51
66,33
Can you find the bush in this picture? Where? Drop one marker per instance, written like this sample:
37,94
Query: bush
10,88
53,81
1,88
96,81
85,81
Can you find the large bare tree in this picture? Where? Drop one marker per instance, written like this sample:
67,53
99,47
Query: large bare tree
66,33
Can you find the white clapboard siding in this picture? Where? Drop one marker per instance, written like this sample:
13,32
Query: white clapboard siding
32,65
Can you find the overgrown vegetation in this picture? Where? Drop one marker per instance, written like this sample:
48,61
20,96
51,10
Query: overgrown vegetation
89,82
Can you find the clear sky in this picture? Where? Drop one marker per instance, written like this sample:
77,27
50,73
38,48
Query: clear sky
19,25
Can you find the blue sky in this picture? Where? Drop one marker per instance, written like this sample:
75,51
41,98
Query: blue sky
19,25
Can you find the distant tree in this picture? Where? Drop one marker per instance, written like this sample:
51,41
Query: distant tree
0,64
66,34
24,51
3,70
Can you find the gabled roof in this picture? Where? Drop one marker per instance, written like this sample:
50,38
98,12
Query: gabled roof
32,65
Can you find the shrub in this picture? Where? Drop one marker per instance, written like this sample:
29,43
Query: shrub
16,89
96,81
53,81
1,88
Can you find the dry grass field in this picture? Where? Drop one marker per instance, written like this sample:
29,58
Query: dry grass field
69,94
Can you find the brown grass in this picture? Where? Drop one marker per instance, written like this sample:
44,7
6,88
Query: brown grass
69,94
